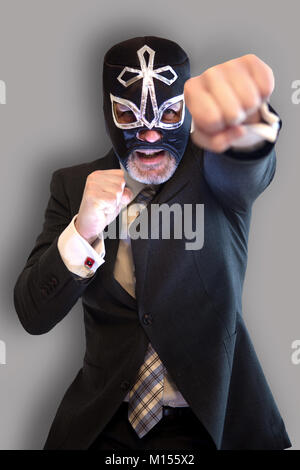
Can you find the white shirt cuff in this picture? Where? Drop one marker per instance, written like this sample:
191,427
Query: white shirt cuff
257,133
79,256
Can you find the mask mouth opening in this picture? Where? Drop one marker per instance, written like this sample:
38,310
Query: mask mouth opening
150,153
154,159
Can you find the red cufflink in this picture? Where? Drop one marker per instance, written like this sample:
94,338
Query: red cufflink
89,262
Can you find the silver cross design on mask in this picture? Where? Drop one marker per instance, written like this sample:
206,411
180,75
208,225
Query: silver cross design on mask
147,74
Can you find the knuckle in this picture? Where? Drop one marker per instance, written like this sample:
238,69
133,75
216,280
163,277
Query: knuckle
118,185
89,198
219,147
211,70
119,181
92,176
268,83
251,58
111,198
219,144
90,187
251,101
234,115
209,74
87,191
96,173
209,116
188,86
212,120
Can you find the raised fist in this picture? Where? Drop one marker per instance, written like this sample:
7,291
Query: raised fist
103,198
225,97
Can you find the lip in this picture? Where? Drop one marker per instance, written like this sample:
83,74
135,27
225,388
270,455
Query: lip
150,156
148,151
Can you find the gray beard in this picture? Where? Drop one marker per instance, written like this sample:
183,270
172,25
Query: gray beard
150,177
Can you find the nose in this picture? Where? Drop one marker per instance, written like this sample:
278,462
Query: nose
149,135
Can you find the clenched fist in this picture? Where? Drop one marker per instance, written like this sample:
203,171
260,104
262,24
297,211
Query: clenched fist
225,97
104,196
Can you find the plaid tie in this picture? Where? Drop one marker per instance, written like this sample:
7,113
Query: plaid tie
141,201
145,397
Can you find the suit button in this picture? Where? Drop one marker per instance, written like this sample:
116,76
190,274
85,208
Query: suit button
125,385
53,281
44,292
147,319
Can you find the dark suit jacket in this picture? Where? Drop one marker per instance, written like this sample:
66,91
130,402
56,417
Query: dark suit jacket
188,304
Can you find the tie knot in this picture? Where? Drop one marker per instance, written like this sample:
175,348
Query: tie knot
146,194
139,203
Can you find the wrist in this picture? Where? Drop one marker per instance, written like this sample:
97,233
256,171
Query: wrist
89,238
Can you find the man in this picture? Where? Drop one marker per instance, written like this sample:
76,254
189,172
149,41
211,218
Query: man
169,363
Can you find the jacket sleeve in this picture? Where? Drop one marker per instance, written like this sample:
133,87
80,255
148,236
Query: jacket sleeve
237,178
46,290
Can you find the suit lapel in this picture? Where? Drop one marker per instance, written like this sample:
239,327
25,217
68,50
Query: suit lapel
172,189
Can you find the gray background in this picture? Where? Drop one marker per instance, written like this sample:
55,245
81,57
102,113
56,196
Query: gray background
50,59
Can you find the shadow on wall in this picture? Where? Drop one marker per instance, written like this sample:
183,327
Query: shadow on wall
63,348
63,358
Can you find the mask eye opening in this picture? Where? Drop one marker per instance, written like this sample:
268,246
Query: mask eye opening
123,114
170,115
127,116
